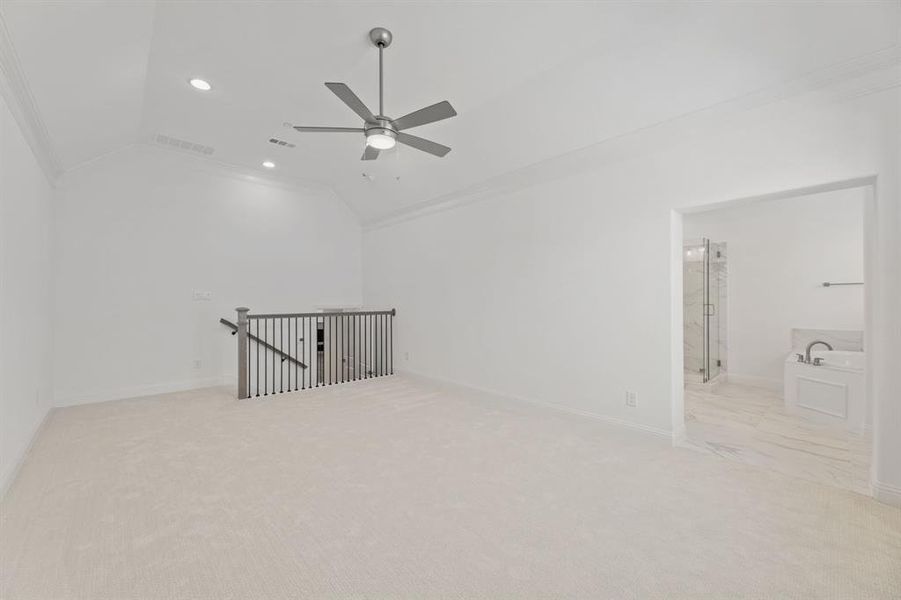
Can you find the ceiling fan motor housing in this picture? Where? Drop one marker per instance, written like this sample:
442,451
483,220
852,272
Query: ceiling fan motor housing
380,36
383,126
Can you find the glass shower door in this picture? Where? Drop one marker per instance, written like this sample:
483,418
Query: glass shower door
711,311
704,290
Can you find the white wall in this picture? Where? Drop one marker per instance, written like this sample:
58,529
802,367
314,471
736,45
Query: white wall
26,339
559,289
139,230
778,254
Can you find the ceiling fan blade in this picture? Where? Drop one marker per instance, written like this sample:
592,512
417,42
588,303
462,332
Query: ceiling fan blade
429,114
370,153
422,144
351,100
328,129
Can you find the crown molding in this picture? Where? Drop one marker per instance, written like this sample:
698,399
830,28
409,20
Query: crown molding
17,93
867,74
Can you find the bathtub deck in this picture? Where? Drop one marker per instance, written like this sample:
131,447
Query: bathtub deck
750,425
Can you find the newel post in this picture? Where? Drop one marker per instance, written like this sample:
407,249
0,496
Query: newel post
242,353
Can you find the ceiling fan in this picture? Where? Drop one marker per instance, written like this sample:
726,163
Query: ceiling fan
383,132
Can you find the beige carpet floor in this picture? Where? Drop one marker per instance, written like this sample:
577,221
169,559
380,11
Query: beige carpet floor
397,488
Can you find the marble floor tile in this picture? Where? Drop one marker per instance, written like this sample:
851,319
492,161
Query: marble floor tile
750,425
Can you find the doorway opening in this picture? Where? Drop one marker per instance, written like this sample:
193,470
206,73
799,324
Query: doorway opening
774,312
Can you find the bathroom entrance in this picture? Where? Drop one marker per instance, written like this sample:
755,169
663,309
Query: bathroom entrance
773,318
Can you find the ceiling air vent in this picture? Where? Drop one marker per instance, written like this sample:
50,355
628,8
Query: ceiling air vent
168,140
279,142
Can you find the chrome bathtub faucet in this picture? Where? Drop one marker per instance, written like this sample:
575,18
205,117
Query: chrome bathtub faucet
818,361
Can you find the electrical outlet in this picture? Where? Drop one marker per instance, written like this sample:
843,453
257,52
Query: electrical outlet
197,364
406,356
632,399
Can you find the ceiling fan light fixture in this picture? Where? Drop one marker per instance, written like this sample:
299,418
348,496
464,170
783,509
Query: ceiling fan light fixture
200,84
381,140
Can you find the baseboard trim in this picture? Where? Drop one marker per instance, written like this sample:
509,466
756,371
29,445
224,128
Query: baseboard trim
109,395
9,477
755,381
886,493
616,421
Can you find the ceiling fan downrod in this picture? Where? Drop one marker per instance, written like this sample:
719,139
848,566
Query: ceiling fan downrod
381,37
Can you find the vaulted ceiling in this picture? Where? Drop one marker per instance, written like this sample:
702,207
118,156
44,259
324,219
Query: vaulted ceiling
530,80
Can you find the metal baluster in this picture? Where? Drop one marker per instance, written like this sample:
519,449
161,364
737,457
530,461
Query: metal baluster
392,342
303,353
274,357
331,350
307,339
265,358
335,349
290,362
305,327
247,367
328,352
319,362
281,356
258,357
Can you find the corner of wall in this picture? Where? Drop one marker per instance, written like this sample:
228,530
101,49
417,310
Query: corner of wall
7,478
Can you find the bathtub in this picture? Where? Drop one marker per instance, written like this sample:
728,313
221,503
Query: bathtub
833,393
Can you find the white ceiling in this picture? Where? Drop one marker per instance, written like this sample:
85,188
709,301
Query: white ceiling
530,80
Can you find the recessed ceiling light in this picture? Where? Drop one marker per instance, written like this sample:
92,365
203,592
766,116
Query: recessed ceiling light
201,84
268,164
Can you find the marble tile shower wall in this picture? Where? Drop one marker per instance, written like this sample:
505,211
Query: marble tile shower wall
839,339
692,318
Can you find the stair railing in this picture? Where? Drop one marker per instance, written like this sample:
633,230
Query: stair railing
287,352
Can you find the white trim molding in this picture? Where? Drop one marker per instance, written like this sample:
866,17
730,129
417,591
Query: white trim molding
112,394
17,93
657,432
